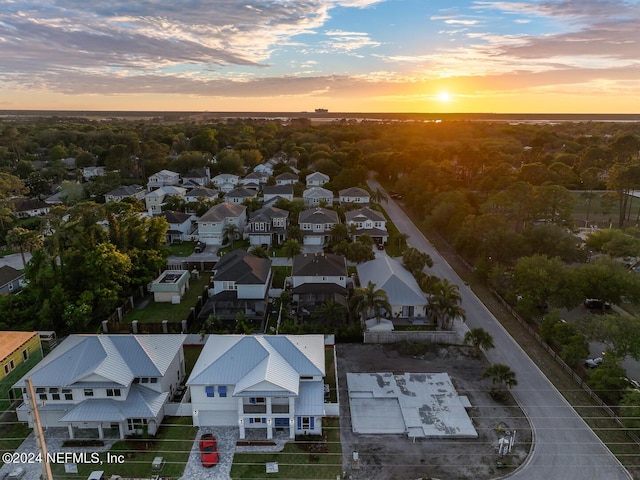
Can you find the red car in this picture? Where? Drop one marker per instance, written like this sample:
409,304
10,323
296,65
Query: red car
208,450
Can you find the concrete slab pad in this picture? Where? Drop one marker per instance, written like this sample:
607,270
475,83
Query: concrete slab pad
427,403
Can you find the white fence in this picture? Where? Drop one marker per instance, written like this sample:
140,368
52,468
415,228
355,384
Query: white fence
177,409
451,337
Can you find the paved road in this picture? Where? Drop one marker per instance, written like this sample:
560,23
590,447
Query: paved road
564,445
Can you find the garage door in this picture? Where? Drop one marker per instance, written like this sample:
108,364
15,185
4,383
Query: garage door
313,240
217,419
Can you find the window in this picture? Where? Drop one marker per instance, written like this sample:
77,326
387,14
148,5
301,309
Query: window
25,354
256,400
306,423
88,392
55,393
222,391
42,393
113,392
134,423
68,393
306,378
7,369
144,380
209,389
12,364
153,380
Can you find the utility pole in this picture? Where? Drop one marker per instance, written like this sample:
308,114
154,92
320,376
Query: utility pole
39,434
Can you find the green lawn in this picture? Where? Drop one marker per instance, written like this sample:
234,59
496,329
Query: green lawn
602,209
191,354
173,442
330,374
157,312
243,244
279,275
312,459
182,249
12,435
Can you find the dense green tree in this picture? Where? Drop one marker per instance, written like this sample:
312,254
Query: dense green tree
608,380
630,410
370,302
25,240
415,261
444,304
330,313
291,248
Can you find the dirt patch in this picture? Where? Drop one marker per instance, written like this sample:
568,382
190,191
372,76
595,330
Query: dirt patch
398,457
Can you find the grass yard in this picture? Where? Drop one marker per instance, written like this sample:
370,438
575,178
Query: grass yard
242,244
173,442
12,435
182,249
312,459
157,312
191,354
603,209
279,276
330,373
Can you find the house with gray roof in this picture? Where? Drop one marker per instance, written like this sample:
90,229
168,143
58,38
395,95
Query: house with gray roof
354,195
267,226
126,191
274,191
316,179
200,193
367,221
180,226
211,225
163,178
11,280
317,278
287,178
198,176
30,207
240,283
115,384
255,178
240,194
155,199
405,296
260,382
225,182
316,225
315,196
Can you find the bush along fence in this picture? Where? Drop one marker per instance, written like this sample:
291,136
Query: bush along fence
114,323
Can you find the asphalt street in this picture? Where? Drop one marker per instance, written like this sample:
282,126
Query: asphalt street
564,445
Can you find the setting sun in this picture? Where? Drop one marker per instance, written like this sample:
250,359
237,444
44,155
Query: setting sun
444,97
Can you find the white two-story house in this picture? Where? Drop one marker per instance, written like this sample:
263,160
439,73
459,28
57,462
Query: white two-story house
263,382
316,179
315,196
354,195
163,178
155,199
368,222
316,225
211,225
115,384
225,182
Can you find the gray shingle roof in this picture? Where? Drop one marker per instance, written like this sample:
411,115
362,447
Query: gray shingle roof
319,264
318,215
219,212
175,217
362,214
354,192
278,190
9,274
243,268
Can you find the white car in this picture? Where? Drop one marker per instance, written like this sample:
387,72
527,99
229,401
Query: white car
593,362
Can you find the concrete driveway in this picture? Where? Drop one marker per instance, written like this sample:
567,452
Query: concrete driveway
564,445
227,438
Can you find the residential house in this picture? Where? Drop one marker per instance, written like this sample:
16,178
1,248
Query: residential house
240,283
265,168
180,226
240,194
30,207
198,176
367,221
282,191
316,225
263,382
406,298
316,179
225,182
268,226
15,349
90,172
255,178
200,193
354,195
155,199
126,191
11,280
315,196
115,384
211,225
317,278
170,286
287,178
163,178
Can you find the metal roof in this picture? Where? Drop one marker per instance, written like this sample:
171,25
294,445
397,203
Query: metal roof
310,401
263,363
389,275
104,359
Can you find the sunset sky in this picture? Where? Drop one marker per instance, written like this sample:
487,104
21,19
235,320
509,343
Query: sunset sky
555,56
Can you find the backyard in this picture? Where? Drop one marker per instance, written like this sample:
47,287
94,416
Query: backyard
148,311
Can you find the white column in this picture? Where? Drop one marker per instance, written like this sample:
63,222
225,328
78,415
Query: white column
70,427
241,423
100,432
121,428
269,428
292,417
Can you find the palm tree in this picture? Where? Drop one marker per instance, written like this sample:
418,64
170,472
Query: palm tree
402,238
445,304
379,195
230,233
291,248
24,240
370,301
502,377
478,338
331,313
